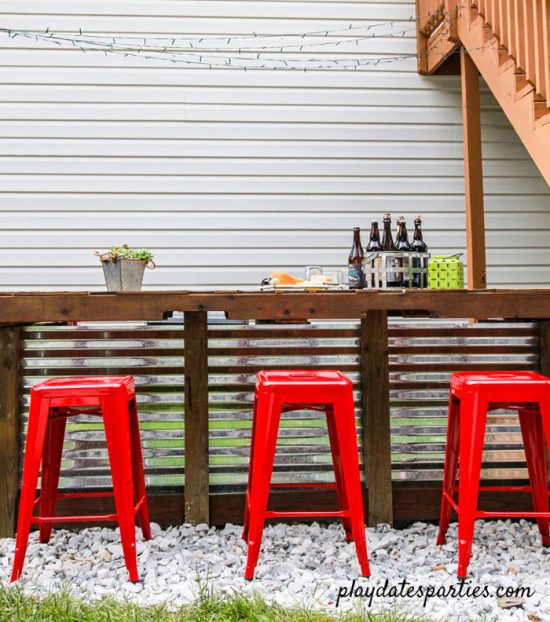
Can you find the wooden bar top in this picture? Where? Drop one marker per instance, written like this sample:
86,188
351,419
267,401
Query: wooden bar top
32,307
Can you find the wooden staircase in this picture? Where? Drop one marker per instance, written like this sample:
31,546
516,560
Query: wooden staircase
509,43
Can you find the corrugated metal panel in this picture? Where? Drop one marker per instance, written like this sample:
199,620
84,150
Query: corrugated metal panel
270,169
422,356
153,356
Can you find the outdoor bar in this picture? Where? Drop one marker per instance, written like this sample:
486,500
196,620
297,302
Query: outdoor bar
501,318
374,410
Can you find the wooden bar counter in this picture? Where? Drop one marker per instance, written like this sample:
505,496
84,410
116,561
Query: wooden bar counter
31,307
372,308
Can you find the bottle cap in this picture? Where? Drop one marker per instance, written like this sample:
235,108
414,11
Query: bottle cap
374,222
387,216
418,218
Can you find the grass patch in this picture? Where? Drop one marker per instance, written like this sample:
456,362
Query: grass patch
62,607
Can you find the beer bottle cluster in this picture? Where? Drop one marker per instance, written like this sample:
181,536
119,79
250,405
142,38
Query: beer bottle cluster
387,263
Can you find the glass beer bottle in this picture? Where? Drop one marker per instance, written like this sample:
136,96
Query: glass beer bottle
355,262
402,245
419,246
374,246
389,246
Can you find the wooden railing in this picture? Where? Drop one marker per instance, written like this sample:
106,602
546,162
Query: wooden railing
437,33
522,29
509,44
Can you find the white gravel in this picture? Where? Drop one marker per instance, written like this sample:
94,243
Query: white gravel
299,564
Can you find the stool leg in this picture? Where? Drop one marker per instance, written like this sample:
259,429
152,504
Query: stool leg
265,441
544,422
36,433
474,411
450,468
344,414
533,443
117,433
51,466
338,474
138,471
246,521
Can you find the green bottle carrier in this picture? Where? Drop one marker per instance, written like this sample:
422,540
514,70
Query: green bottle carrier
446,272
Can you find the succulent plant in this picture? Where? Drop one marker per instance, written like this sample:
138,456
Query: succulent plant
116,253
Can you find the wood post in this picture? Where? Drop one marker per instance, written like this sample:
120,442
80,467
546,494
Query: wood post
544,347
196,417
473,174
10,346
376,417
421,39
544,366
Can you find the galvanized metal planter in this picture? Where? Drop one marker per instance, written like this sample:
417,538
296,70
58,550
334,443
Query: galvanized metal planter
123,274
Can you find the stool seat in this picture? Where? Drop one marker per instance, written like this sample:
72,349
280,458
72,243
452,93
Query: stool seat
494,382
472,396
293,379
52,403
78,385
278,392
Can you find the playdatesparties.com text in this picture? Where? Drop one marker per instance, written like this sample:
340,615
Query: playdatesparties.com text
405,589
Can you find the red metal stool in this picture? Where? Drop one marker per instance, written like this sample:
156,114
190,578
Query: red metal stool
472,395
284,391
52,401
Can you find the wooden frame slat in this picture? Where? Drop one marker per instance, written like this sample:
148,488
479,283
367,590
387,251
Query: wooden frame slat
519,41
196,418
511,28
496,18
376,417
10,344
546,49
528,38
473,173
501,21
538,46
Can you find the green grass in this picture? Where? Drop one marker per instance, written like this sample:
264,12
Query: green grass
61,607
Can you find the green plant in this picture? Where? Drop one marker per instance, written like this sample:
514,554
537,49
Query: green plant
16,606
116,253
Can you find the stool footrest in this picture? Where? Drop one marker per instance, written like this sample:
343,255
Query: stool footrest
75,495
505,488
483,514
331,485
37,520
325,514
82,495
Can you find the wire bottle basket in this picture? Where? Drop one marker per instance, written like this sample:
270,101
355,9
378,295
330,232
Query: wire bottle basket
385,270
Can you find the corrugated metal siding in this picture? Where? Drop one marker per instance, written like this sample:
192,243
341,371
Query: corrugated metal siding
228,175
422,356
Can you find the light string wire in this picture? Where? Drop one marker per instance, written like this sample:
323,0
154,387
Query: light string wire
103,42
199,59
195,58
255,36
197,44
116,44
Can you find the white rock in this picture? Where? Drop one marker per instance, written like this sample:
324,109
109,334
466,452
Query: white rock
299,564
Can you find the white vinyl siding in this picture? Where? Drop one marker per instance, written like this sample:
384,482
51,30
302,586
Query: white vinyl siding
227,175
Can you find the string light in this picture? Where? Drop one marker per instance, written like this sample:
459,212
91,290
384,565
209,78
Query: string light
213,58
198,43
256,36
